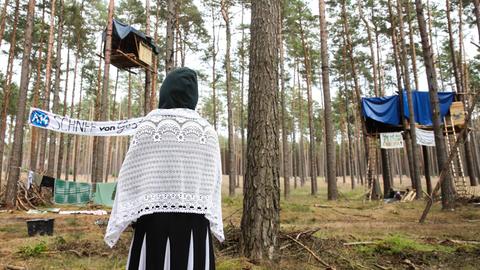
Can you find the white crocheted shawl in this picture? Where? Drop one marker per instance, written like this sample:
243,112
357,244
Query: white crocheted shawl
172,165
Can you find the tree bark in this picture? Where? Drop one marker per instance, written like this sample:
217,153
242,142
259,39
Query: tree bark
148,73
169,57
242,90
476,4
286,176
232,172
52,148
261,204
463,81
48,77
62,142
329,132
301,158
17,148
7,87
3,20
77,138
34,131
214,75
448,197
97,174
153,93
361,130
308,68
72,108
415,174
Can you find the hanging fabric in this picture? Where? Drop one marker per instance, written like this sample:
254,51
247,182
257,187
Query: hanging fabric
425,137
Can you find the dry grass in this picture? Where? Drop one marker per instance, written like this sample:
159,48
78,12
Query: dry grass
393,229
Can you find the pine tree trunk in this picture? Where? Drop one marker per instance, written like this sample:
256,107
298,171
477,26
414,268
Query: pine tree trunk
413,52
153,93
286,177
415,174
72,106
214,61
329,132
148,73
452,49
467,145
62,142
306,60
170,35
448,197
7,86
301,157
476,4
242,90
361,130
98,170
351,155
398,71
48,77
261,204
111,140
34,131
77,138
231,139
17,148
3,20
52,148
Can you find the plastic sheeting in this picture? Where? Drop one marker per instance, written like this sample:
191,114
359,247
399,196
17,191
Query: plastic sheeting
104,194
382,109
67,192
386,110
422,108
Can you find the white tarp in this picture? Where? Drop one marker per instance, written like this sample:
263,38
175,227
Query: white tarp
425,137
391,140
47,120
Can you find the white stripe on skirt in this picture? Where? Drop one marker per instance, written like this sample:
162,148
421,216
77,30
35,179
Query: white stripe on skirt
142,265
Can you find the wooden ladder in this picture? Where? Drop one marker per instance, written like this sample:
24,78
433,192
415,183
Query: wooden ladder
371,164
456,163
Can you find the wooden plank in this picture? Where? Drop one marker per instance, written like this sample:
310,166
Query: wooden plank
145,54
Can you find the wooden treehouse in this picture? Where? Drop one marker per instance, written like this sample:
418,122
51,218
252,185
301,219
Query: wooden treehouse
383,115
131,48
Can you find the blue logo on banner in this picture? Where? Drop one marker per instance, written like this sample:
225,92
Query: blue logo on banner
39,119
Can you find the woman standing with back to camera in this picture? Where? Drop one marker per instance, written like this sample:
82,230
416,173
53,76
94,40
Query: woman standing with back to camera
170,184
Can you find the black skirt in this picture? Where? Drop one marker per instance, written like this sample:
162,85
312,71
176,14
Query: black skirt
171,241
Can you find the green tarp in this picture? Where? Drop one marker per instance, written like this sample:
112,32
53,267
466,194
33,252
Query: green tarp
67,192
104,194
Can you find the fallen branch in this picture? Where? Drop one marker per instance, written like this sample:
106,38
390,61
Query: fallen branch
381,267
461,242
409,263
359,243
310,251
78,254
14,267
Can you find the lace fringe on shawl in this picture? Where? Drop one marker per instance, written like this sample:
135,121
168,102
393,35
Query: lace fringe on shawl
172,165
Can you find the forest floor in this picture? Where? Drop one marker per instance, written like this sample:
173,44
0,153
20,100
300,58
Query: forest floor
391,235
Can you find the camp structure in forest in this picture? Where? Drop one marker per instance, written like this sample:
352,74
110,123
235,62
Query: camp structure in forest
384,115
131,48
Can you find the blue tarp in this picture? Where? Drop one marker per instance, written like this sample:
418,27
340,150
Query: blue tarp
387,109
382,109
422,108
